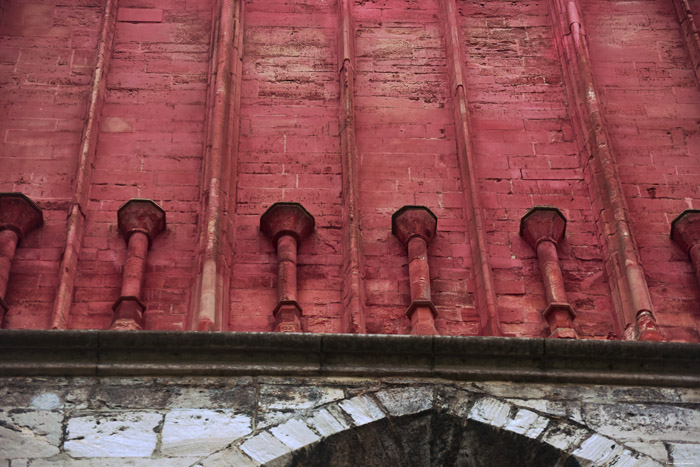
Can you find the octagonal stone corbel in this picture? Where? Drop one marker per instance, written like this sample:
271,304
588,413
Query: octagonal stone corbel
287,224
19,215
543,227
416,227
685,231
140,221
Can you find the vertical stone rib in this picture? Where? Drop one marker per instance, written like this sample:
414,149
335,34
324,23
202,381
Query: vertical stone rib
83,178
353,284
634,312
212,283
485,290
690,34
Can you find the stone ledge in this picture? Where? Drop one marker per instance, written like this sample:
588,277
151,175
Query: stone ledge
112,353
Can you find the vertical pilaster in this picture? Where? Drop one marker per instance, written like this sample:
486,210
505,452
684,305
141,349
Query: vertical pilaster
353,285
83,177
689,31
634,311
212,282
483,275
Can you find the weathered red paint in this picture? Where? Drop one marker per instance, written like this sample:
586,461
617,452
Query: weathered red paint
287,224
415,227
335,85
140,221
543,227
689,31
627,281
353,265
83,177
483,275
212,283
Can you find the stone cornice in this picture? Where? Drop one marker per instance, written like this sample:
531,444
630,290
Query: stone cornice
126,353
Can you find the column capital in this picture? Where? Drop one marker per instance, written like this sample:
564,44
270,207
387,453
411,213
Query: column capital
141,215
414,221
19,214
685,229
542,223
287,219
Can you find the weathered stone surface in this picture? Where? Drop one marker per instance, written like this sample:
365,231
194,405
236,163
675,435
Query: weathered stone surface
114,462
131,434
655,450
685,454
228,457
598,450
491,411
42,424
46,401
647,421
264,447
627,459
362,409
404,401
18,442
294,434
201,432
527,423
328,421
565,437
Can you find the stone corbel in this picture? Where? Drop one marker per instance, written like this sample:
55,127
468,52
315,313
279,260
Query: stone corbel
415,227
287,224
543,228
140,221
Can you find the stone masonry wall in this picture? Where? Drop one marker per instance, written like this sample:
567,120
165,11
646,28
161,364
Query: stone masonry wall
211,421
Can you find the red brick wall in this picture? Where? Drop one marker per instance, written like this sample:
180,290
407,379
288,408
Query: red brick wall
153,134
289,151
150,146
47,54
652,106
526,156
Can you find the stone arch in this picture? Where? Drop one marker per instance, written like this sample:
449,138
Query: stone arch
426,425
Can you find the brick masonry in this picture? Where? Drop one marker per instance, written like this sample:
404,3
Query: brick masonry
152,143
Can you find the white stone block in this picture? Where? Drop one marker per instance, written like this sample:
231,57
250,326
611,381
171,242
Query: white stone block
491,411
46,401
43,424
326,423
362,410
598,450
627,459
404,401
264,447
527,423
20,442
228,457
129,434
565,437
201,432
294,434
687,454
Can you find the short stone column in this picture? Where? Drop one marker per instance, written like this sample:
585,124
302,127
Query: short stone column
685,231
19,215
543,227
415,227
140,221
287,224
